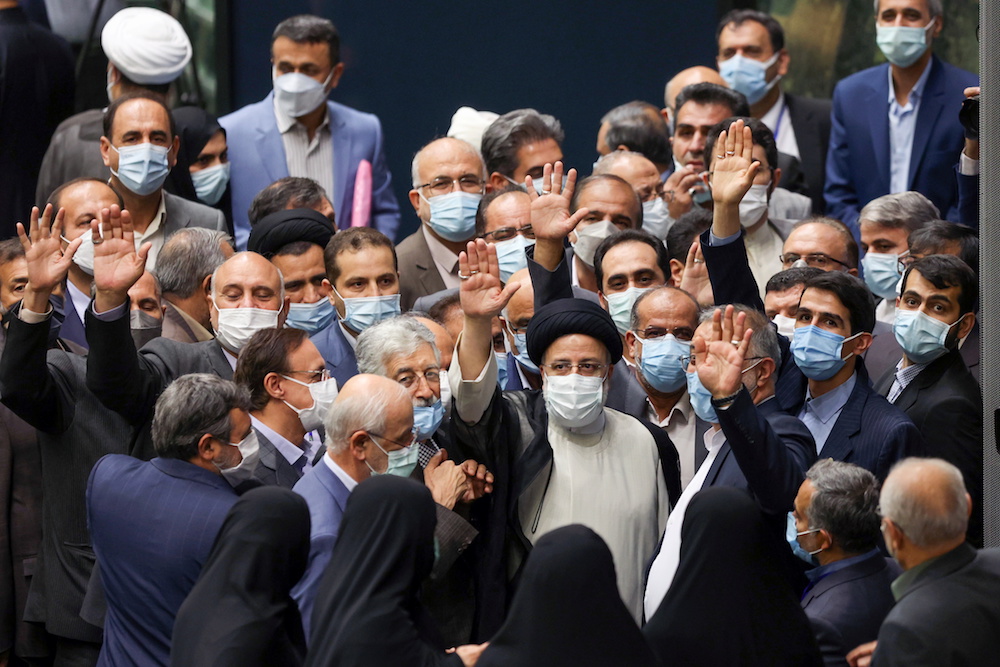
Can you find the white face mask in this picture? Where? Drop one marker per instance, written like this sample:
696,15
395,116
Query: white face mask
785,324
574,400
322,394
445,393
588,238
297,94
237,325
656,218
753,206
250,450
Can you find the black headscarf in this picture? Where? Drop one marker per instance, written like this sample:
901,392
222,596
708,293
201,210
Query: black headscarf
195,127
366,612
571,316
567,610
729,603
239,613
274,231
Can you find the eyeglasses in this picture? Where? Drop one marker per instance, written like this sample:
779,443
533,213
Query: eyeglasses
444,185
315,376
649,333
412,377
507,233
817,260
587,369
515,330
404,445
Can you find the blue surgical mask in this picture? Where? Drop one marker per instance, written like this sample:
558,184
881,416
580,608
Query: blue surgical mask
701,398
521,341
748,76
402,462
792,535
501,369
361,312
922,337
511,257
311,317
453,216
426,420
660,362
902,46
818,352
656,218
142,168
620,306
211,183
881,273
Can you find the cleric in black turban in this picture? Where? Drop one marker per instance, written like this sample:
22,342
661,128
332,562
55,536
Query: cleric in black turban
571,316
277,230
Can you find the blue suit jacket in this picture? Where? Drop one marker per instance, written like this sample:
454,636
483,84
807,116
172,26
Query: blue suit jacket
152,524
257,156
337,352
968,199
326,496
858,162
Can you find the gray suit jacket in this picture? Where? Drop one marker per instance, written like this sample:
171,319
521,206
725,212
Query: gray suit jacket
182,213
418,274
74,152
175,327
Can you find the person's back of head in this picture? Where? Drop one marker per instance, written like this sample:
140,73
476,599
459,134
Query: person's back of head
192,408
147,48
286,193
843,509
940,237
638,126
188,257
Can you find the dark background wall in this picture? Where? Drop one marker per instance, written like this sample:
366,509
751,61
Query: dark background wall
414,63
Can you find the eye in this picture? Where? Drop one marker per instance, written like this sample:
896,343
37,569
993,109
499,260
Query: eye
405,380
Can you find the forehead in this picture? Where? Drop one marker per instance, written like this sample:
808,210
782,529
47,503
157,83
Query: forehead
509,210
285,50
140,115
816,237
629,257
422,358
900,5
448,157
248,269
668,309
522,304
143,288
782,297
308,263
637,170
873,230
915,282
14,269
574,346
369,261
804,497
609,196
89,194
819,300
699,115
537,153
305,357
747,33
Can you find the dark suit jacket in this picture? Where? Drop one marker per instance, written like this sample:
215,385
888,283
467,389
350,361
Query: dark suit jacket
847,606
74,430
948,616
147,573
811,122
273,468
418,274
337,352
968,199
858,162
946,404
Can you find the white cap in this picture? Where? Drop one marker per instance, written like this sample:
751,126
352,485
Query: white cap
146,45
468,124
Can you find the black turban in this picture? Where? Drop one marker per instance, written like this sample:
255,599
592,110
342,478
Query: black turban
275,231
571,316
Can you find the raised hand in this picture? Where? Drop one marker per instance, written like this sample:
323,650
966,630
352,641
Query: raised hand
47,262
695,280
734,167
719,359
482,294
117,264
550,216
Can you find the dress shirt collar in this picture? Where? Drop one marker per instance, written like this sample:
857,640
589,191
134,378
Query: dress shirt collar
348,481
715,438
681,412
915,93
903,582
827,406
78,299
288,449
286,123
774,113
351,340
904,376
440,253
818,573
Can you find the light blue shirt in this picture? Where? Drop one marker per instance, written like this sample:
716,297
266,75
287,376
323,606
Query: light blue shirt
820,414
902,124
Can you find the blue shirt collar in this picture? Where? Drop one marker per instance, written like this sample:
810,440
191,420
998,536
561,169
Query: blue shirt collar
918,87
818,573
829,404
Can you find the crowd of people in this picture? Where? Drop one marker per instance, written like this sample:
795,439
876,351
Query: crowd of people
716,402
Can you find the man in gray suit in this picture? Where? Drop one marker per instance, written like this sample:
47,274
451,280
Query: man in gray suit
186,262
140,147
946,609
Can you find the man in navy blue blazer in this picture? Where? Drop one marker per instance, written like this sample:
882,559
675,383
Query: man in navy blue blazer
154,522
895,126
296,131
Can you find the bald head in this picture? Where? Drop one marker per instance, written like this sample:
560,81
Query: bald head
370,403
521,306
685,78
634,168
246,280
443,340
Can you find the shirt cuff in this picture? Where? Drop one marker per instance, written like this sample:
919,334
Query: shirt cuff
471,398
967,166
31,317
714,240
110,315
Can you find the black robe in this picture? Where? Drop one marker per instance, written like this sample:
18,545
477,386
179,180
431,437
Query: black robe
240,613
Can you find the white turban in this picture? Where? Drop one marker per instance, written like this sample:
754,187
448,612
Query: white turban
146,45
468,124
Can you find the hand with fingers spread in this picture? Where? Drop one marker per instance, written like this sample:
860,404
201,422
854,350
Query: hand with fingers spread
719,359
117,264
733,166
695,280
482,296
47,262
550,216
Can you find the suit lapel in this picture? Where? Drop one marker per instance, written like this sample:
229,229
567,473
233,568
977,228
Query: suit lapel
270,147
342,152
217,357
838,445
332,483
427,271
931,106
926,378
713,472
700,451
877,105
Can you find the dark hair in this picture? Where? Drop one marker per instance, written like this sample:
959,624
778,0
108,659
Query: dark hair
944,271
685,230
845,504
266,352
58,192
295,249
112,110
713,93
639,127
10,249
630,236
488,199
508,133
192,406
937,234
288,192
582,186
309,29
439,311
354,239
850,245
789,278
738,17
852,293
762,136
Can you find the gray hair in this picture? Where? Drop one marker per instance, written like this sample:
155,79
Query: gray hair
188,257
845,504
763,340
285,193
464,145
360,412
929,515
606,164
910,209
508,133
399,336
191,406
281,278
934,7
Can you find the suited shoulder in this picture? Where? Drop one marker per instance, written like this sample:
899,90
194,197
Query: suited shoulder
808,104
413,245
183,212
248,115
112,465
865,78
354,118
958,76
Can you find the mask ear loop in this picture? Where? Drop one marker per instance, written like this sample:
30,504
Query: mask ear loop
847,340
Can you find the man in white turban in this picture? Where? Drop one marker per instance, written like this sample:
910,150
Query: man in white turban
147,50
